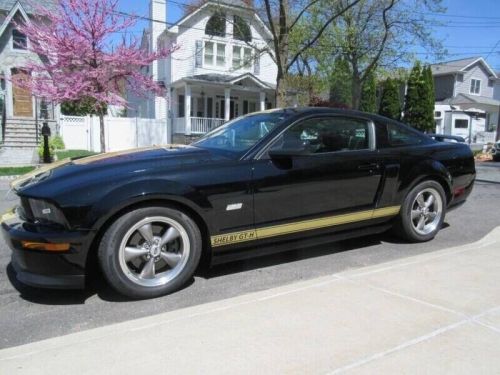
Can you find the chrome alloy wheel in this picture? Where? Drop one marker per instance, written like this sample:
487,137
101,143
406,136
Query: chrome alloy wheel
154,251
426,211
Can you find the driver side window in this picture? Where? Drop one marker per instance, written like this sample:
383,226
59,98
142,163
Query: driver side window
324,135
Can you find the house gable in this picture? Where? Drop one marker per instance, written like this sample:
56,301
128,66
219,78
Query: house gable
190,37
471,76
17,9
479,72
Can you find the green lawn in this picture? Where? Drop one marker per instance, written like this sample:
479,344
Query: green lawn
73,154
14,171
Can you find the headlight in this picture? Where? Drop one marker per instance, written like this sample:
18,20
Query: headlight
46,212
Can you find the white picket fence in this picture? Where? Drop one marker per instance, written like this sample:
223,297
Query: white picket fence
83,133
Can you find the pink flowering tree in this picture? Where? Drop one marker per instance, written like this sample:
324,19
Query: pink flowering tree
80,58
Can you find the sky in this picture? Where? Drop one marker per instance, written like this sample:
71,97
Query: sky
470,27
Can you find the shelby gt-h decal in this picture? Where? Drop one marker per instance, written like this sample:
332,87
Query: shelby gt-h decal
306,225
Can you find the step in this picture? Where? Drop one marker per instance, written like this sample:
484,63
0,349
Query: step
24,120
21,131
24,143
20,140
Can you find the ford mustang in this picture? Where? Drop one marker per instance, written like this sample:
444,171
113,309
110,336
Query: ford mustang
269,181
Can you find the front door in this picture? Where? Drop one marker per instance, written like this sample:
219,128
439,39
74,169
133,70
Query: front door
337,174
21,98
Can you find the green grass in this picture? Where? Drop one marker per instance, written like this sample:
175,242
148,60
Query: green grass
73,154
14,171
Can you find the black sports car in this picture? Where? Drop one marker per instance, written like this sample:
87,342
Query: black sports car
265,182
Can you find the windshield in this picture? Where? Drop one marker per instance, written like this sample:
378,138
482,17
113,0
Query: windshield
237,136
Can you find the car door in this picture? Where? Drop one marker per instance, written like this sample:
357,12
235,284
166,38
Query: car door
334,172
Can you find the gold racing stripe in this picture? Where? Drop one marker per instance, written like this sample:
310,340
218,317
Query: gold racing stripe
301,226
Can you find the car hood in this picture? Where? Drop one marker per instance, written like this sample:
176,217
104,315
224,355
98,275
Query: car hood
113,165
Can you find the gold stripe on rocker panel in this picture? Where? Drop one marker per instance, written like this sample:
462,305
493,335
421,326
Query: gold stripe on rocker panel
301,226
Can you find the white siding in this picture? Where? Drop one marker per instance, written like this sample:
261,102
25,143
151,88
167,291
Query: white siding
477,71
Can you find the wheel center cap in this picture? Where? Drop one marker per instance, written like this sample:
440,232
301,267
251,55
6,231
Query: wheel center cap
155,250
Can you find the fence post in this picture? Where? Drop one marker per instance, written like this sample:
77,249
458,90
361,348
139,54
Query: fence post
136,132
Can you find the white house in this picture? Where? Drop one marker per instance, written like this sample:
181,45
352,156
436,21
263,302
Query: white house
467,99
222,68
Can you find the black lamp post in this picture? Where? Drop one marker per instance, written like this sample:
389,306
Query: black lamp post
46,135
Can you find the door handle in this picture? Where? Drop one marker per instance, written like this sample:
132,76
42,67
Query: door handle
368,166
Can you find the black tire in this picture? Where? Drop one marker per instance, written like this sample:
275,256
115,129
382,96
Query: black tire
408,228
162,276
496,157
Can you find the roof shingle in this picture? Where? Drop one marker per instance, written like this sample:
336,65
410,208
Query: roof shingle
7,5
452,66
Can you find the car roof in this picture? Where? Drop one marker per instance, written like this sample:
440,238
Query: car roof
304,111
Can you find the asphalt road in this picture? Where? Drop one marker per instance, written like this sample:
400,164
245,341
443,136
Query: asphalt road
28,314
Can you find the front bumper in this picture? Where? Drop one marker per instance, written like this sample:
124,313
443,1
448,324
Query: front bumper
60,270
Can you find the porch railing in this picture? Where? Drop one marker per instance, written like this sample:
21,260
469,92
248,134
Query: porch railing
199,125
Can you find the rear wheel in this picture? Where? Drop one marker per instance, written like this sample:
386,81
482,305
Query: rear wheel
422,213
150,252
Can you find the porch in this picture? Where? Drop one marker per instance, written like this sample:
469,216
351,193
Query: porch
200,104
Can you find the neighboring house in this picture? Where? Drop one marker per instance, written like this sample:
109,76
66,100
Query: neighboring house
467,99
221,70
21,109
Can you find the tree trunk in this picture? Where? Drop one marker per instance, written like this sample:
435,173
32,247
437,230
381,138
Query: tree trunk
101,128
356,90
281,99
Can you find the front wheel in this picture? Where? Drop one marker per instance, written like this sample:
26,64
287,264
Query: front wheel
422,213
149,252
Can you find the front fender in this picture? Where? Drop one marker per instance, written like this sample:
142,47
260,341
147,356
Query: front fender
146,190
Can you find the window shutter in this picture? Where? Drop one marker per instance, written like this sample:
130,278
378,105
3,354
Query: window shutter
199,54
256,64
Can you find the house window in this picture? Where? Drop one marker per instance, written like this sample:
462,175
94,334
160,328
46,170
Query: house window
249,107
461,124
437,114
242,57
216,25
217,50
180,108
247,57
19,40
475,86
221,54
236,57
200,104
241,30
210,103
209,53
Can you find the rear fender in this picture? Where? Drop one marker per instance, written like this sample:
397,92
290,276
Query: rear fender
425,170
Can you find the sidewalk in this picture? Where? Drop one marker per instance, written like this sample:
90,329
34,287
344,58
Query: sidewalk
436,313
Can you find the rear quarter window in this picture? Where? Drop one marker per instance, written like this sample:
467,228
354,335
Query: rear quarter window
394,135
